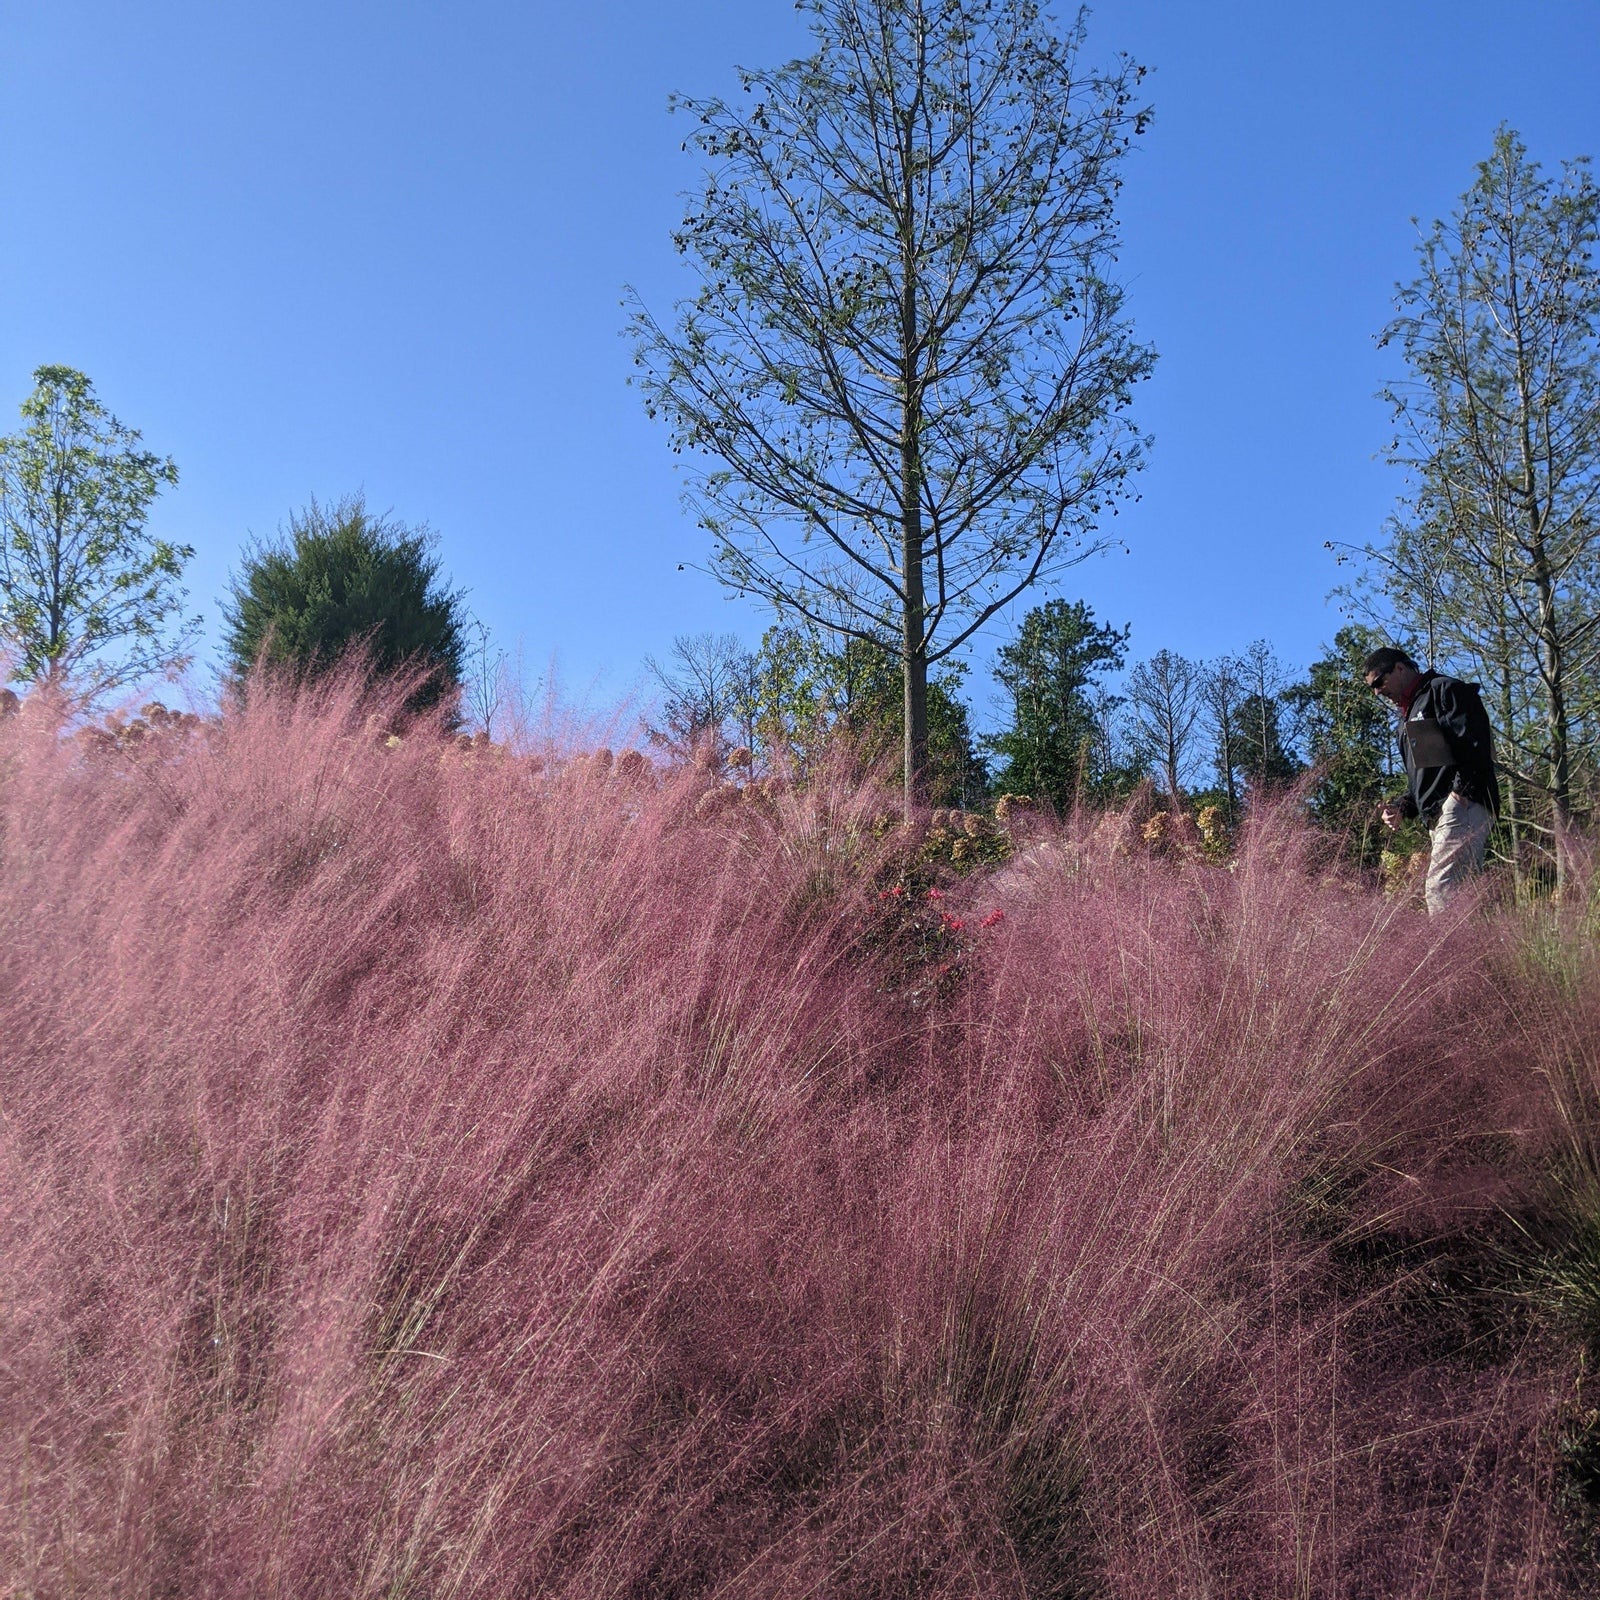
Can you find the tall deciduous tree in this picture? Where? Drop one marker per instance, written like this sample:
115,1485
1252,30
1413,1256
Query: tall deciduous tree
343,579
700,683
1049,671
89,601
1499,427
1222,695
907,365
1264,752
1164,693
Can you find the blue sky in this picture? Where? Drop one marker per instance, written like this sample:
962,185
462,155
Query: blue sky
310,248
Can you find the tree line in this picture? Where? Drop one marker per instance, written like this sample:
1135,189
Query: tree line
904,382
92,604
1082,725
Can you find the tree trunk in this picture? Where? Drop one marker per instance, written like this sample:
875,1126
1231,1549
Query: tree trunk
913,641
1552,666
915,662
1552,669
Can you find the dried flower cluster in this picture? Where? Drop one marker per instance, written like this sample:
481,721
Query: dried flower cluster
121,733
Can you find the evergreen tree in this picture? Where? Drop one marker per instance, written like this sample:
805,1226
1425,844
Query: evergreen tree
1264,755
343,579
1348,735
1264,751
1053,749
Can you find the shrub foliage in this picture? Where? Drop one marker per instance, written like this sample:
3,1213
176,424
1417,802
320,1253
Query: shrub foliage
344,580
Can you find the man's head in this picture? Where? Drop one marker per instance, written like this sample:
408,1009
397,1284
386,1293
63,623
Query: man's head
1391,673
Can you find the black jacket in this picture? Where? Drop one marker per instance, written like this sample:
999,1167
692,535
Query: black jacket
1445,745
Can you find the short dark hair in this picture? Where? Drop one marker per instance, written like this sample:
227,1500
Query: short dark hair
1385,660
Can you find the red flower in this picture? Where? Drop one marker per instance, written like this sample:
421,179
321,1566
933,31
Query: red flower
953,924
936,894
996,916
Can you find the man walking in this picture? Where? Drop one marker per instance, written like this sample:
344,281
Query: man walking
1449,762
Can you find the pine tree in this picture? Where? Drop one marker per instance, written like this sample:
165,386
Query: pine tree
1053,749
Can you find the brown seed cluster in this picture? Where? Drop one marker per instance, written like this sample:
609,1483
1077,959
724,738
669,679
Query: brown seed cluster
119,732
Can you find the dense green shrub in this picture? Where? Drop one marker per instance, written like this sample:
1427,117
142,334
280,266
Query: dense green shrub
343,579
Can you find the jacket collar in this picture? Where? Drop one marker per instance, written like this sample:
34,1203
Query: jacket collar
1411,699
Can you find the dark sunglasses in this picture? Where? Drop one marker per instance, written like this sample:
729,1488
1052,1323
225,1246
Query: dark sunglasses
1376,685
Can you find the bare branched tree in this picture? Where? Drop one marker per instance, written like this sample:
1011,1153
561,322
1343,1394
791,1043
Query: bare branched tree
1222,702
700,683
907,359
1164,693
486,676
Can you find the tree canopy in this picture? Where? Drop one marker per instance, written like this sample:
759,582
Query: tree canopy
1053,748
342,579
1348,736
904,378
90,601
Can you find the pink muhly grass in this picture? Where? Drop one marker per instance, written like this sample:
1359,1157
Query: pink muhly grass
449,1173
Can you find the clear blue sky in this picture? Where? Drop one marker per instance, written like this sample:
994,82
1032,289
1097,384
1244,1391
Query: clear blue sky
314,247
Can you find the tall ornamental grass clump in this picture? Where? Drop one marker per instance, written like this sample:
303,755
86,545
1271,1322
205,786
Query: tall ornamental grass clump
430,1172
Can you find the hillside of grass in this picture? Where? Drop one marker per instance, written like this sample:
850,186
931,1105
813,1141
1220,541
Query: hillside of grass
432,1172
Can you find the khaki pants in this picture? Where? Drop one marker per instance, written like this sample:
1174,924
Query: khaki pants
1456,849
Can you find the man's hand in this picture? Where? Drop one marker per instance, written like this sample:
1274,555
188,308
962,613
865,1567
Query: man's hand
1391,814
